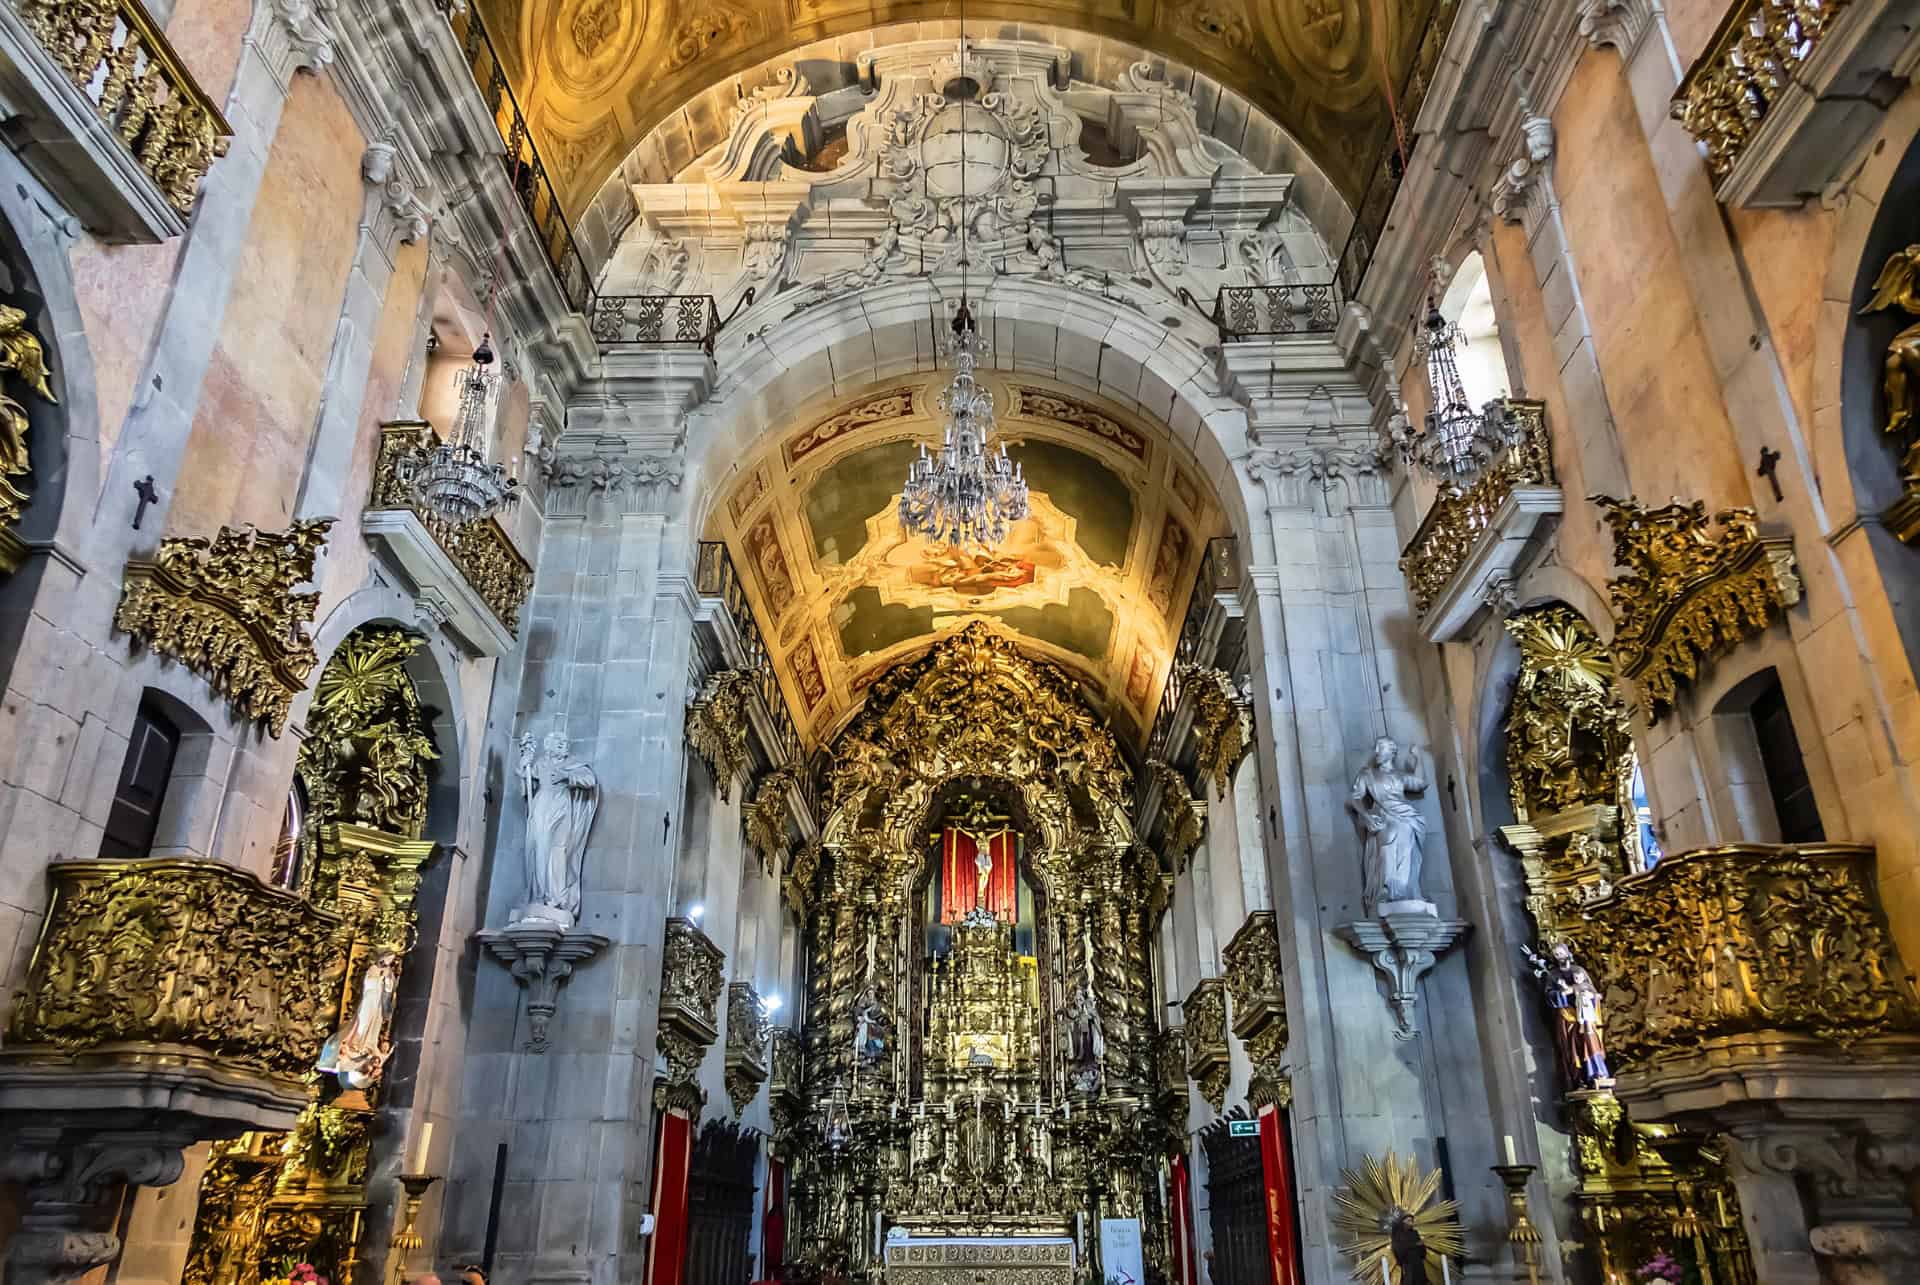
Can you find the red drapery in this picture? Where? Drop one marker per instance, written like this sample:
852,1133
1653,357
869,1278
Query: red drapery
1184,1272
773,1222
1276,1169
669,1251
960,875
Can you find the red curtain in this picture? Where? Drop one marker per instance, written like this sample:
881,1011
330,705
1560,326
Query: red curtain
1276,1169
669,1257
1183,1264
960,877
773,1223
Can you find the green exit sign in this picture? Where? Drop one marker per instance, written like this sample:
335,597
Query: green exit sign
1243,1128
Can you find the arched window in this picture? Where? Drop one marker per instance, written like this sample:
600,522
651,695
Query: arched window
1468,304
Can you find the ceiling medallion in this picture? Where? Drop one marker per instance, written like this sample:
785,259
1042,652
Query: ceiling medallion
966,494
1458,442
454,478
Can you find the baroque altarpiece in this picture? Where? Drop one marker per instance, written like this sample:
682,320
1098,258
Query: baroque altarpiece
980,1031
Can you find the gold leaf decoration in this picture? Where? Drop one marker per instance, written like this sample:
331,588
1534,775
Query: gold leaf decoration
1569,737
22,356
226,609
368,745
1455,523
767,814
717,725
1208,1060
1222,727
1186,821
1688,592
1376,1198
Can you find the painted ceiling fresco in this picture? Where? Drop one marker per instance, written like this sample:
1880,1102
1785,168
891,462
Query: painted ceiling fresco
1096,578
596,75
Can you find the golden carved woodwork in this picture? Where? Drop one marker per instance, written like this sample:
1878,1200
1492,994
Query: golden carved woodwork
1315,69
1369,1200
1458,518
1569,737
482,550
1253,976
371,879
690,983
1170,1066
368,746
1898,287
113,53
1222,727
717,726
796,882
226,609
167,961
747,1059
979,1264
1757,51
766,815
1185,817
21,356
982,1001
1686,592
1734,941
1209,1061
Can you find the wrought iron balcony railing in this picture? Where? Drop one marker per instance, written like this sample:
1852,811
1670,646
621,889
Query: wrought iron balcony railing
1784,942
1458,520
185,964
1264,312
481,554
657,319
1754,56
116,62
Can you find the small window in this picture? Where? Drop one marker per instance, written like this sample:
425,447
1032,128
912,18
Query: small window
1785,769
1642,820
135,817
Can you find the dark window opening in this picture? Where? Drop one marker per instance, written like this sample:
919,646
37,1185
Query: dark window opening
1785,769
135,817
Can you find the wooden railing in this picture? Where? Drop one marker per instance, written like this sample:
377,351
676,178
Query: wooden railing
114,54
1759,48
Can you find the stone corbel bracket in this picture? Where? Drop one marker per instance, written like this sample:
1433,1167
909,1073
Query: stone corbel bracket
541,958
1404,947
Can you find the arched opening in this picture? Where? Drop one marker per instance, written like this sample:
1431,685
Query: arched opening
1763,773
1468,304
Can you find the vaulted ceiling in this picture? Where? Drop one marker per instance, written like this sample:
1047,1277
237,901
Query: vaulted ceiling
1096,579
596,75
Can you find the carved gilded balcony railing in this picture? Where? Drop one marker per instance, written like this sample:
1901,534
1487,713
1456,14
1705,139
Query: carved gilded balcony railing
1170,1065
1252,962
719,718
472,573
177,970
1741,951
1474,541
747,1053
1267,312
1776,101
690,982
1209,1060
225,609
106,113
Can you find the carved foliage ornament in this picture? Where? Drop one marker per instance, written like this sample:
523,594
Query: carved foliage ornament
482,550
1687,592
1186,820
1222,726
1740,939
746,1044
1759,49
1898,287
196,957
1569,739
226,610
690,982
367,748
1252,961
1208,1060
22,356
717,725
767,814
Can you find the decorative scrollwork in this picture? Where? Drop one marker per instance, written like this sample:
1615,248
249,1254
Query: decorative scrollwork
1209,1061
1456,521
195,960
746,1044
690,981
767,814
1730,941
1253,977
226,609
1688,593
1569,737
1186,818
717,725
368,743
21,356
1222,727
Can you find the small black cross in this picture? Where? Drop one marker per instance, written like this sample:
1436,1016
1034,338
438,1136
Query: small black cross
144,488
1769,461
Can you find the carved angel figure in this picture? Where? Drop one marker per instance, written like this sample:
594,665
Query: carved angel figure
1391,827
562,796
1898,286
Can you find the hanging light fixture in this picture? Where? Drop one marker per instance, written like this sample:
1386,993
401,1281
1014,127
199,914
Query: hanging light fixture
965,494
454,478
1458,442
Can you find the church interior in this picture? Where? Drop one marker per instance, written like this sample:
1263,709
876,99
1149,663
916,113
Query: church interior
957,642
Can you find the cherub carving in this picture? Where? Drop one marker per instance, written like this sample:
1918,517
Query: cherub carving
1898,286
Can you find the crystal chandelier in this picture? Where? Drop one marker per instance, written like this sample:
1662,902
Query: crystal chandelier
454,478
965,494
1459,441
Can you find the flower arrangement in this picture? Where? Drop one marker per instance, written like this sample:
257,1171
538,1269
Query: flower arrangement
297,1274
1661,1267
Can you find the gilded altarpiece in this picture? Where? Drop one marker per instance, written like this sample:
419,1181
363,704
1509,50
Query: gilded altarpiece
981,1053
1640,1189
270,1200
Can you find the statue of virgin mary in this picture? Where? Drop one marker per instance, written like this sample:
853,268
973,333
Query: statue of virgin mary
562,796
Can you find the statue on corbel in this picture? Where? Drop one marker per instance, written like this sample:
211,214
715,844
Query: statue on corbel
541,942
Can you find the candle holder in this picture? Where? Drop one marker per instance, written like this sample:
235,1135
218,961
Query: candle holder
1521,1233
408,1238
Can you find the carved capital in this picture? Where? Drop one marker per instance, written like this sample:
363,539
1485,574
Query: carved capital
400,211
293,36
1521,194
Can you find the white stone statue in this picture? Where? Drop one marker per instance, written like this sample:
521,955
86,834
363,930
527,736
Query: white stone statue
1391,829
562,795
356,1052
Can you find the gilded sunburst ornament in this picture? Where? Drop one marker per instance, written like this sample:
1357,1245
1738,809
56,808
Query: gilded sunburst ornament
1376,1198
